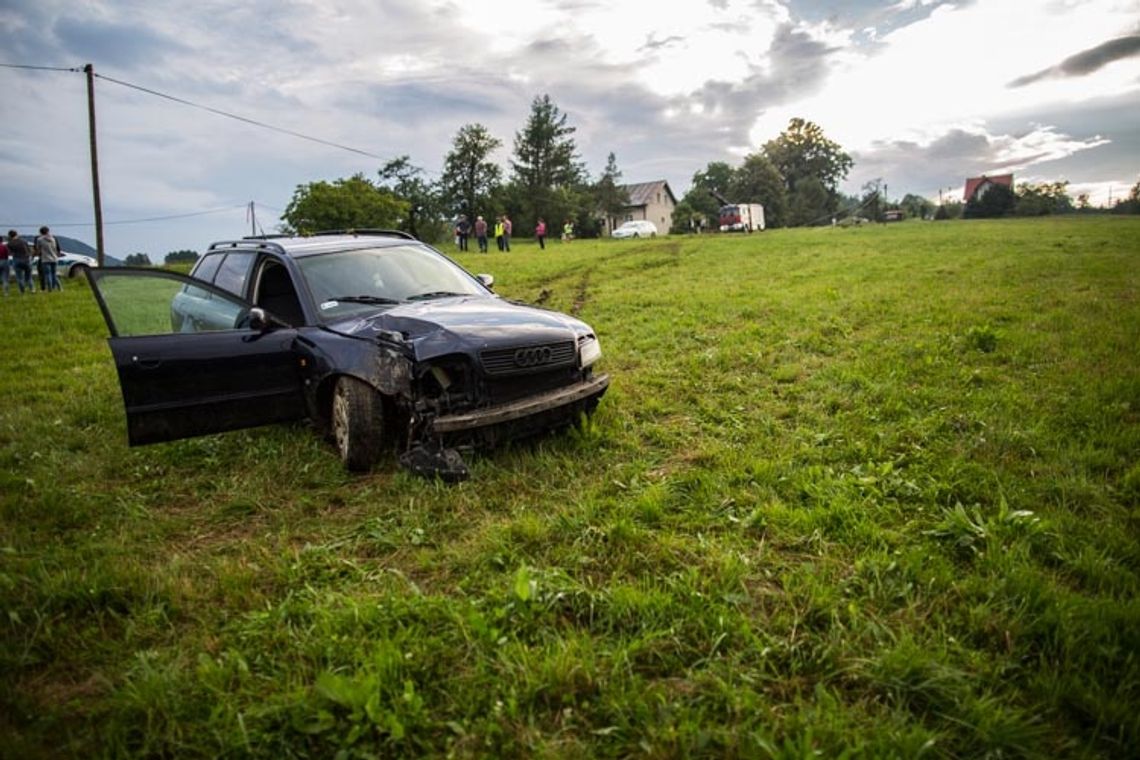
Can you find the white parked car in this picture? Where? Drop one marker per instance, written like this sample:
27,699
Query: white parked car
74,264
637,228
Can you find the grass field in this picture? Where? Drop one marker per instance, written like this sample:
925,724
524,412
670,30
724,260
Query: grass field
866,492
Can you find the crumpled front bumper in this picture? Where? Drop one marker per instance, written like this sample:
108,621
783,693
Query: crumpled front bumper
521,409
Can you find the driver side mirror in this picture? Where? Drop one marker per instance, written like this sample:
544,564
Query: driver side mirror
258,320
487,280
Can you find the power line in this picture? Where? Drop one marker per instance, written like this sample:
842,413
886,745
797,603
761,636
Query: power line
129,221
218,112
244,119
39,68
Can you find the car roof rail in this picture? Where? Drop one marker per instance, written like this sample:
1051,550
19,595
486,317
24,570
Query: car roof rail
247,243
363,231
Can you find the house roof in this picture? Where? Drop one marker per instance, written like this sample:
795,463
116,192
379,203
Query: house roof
642,193
973,184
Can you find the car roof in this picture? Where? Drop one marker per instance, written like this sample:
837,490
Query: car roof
299,246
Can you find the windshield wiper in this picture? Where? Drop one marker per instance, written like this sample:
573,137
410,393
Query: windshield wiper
366,299
435,294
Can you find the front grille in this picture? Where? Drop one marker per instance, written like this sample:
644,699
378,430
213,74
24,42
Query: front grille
503,390
519,360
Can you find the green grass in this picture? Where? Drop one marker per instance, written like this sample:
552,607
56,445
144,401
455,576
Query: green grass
853,492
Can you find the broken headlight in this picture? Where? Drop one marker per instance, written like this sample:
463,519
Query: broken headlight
589,351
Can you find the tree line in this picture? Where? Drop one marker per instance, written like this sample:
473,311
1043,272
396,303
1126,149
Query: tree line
796,176
547,179
1037,199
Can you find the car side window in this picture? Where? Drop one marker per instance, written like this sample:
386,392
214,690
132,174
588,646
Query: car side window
234,271
208,267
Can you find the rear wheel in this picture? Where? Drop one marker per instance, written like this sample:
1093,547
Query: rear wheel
357,417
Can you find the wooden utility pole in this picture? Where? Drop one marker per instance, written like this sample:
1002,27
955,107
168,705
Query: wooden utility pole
90,71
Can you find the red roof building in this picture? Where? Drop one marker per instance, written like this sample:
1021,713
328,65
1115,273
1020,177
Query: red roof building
978,185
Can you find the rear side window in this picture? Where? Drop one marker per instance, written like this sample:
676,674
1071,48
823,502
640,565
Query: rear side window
234,271
208,267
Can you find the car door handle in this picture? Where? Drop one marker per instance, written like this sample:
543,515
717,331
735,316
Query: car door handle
146,363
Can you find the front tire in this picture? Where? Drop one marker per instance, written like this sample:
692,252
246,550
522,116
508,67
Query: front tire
357,416
79,270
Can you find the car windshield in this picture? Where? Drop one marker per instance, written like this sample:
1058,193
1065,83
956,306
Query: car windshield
348,282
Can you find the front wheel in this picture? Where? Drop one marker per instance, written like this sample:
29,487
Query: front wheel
79,270
357,423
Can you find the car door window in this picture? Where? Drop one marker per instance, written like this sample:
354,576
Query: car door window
234,271
158,303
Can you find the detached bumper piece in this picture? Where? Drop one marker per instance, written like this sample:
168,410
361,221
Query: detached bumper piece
430,461
516,410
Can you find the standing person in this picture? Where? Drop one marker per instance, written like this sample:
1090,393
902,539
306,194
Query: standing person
21,261
48,250
506,233
463,229
499,232
481,233
540,233
567,231
4,265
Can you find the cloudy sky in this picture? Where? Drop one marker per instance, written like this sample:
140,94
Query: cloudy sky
921,93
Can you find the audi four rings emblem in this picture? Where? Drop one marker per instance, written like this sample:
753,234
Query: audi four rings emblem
533,357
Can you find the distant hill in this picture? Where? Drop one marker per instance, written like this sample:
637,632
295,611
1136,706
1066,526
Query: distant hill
71,245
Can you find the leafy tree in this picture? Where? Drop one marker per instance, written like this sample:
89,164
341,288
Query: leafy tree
545,158
181,257
609,196
873,204
811,203
425,214
1042,199
759,181
700,200
1130,205
949,210
992,202
469,176
352,203
686,218
803,154
138,260
916,206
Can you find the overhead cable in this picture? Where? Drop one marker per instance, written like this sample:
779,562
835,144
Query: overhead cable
129,221
39,68
236,117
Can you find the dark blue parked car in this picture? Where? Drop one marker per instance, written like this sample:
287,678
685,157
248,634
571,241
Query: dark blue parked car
378,338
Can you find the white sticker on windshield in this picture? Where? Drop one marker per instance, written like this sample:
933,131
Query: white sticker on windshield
329,305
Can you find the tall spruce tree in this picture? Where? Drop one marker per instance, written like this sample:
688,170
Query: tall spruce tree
545,162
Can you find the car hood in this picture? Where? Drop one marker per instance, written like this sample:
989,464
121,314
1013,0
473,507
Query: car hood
465,324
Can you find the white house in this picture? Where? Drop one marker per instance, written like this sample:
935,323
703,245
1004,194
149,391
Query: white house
653,201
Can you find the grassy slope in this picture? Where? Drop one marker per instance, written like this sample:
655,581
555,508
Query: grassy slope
874,490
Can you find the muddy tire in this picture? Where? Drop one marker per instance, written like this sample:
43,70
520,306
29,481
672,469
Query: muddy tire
357,421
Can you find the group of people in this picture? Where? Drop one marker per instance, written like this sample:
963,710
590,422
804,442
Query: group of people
16,254
502,230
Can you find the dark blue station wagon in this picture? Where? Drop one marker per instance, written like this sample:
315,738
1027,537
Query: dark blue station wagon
379,339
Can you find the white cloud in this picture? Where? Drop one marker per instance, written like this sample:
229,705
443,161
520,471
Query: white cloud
953,67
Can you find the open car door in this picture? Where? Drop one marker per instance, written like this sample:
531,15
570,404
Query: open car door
188,358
